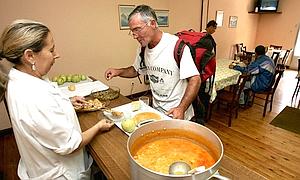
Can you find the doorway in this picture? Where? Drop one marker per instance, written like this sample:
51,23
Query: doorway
296,56
204,14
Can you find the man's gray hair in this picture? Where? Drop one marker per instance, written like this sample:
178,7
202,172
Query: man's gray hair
146,12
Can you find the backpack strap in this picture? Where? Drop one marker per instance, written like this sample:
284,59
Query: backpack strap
142,62
142,56
178,51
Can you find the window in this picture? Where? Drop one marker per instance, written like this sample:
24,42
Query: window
297,46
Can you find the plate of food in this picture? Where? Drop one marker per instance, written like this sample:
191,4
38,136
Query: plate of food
134,115
91,105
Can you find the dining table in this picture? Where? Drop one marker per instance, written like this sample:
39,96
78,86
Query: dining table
109,150
224,76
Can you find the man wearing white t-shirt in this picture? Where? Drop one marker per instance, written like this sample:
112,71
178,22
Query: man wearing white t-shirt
173,88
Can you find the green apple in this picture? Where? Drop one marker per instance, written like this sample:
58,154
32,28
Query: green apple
83,77
64,77
128,125
75,78
60,81
55,78
69,78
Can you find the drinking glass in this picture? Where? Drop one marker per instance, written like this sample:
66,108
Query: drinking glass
145,99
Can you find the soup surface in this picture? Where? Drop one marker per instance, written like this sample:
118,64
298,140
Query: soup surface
159,153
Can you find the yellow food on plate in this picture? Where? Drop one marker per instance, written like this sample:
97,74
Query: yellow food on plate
135,105
90,105
117,114
145,116
94,103
71,87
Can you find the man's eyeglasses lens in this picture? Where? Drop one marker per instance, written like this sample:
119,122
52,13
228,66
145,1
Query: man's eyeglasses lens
136,30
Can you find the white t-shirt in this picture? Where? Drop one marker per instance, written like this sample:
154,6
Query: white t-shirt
46,129
167,82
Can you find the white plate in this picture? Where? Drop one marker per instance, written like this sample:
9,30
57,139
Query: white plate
84,88
128,113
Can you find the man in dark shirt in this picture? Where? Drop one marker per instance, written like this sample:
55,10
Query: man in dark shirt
210,29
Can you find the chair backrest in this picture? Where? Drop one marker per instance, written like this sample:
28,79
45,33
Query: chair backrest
275,47
275,57
298,65
286,56
239,87
275,81
240,48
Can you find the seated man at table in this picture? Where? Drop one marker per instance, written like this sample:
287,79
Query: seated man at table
262,70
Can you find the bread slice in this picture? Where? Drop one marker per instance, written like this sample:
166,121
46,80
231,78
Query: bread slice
145,116
135,105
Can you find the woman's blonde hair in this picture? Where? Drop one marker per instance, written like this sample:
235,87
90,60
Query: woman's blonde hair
16,38
21,35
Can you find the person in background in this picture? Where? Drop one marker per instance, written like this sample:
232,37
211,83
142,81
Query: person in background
173,88
262,70
210,29
45,125
201,106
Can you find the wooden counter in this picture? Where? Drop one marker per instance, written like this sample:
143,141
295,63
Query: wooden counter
110,152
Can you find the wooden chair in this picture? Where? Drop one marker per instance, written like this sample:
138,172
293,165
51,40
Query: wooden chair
275,47
297,88
231,97
268,95
242,54
282,64
248,57
240,49
275,57
286,56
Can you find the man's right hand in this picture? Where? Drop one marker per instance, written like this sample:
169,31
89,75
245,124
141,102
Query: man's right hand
110,73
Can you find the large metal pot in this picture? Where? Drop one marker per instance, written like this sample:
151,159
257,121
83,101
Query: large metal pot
139,172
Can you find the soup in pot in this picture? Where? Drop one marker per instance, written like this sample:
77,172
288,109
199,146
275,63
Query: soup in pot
157,150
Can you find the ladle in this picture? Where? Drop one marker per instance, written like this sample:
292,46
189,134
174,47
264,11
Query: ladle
182,168
179,168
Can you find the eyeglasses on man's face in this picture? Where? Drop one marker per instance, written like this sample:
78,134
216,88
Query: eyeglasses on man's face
137,30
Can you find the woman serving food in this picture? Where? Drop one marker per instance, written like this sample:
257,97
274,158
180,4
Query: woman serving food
44,122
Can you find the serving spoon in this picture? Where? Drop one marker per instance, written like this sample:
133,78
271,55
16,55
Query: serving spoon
179,168
182,168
